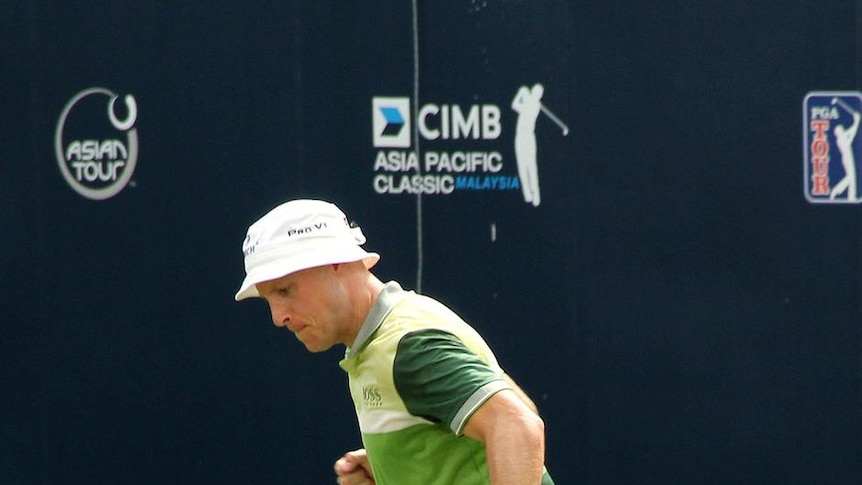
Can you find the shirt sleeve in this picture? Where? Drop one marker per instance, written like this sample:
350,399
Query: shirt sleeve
441,379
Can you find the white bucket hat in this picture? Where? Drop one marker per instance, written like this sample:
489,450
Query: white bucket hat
297,235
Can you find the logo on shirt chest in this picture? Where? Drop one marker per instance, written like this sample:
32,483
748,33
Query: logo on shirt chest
371,396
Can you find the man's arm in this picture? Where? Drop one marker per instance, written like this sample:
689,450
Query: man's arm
855,126
432,367
514,437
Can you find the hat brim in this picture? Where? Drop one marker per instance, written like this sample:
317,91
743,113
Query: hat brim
281,267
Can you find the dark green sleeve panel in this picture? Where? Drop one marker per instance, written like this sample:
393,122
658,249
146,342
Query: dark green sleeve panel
435,374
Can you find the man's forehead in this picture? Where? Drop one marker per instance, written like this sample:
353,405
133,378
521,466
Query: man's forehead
289,278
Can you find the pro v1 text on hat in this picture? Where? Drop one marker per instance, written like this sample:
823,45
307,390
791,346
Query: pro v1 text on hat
297,235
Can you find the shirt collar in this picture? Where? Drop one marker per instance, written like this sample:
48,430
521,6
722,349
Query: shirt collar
388,297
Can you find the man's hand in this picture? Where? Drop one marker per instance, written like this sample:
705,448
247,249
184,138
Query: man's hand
353,469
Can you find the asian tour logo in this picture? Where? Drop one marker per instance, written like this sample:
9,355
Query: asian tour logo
831,148
95,149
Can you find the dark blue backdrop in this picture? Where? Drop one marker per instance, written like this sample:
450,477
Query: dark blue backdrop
677,309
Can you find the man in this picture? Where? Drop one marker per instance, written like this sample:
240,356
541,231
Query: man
844,137
433,404
528,105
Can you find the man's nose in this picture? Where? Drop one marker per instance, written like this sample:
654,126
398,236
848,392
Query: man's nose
280,317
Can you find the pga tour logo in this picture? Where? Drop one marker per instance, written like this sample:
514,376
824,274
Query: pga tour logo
832,148
96,148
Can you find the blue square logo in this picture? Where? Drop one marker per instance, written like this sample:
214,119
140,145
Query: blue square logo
391,122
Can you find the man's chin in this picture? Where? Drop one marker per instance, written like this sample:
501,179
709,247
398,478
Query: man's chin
315,348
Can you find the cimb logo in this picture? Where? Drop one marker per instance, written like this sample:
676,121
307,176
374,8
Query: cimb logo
96,150
391,122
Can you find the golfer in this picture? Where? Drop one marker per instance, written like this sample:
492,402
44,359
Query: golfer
844,137
433,404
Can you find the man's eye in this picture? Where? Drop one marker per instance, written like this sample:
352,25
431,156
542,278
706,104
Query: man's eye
282,291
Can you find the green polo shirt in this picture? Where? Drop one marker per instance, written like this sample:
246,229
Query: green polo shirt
417,373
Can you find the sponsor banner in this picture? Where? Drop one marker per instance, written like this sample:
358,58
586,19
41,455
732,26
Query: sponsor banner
447,166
